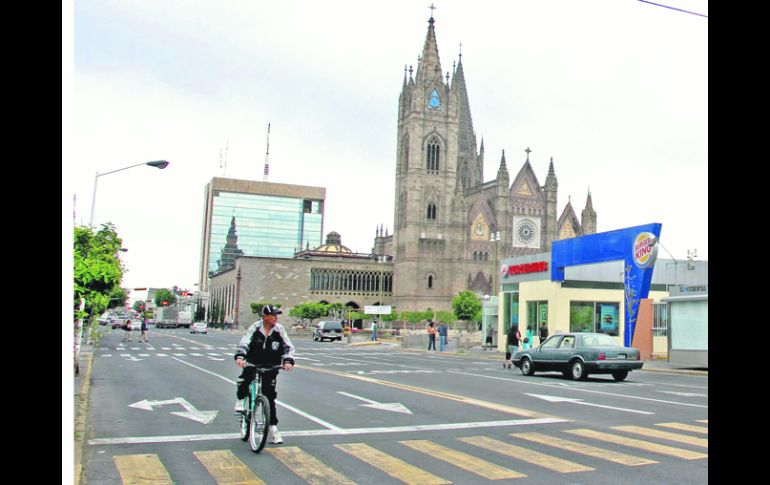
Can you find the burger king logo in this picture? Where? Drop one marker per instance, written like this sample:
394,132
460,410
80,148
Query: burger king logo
504,270
645,249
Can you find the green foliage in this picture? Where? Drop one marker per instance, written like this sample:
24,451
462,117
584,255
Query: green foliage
445,316
139,306
309,311
164,294
98,270
467,306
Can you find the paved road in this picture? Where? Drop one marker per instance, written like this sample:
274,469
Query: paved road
383,415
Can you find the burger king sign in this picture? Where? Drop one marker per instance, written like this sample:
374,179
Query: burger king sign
645,249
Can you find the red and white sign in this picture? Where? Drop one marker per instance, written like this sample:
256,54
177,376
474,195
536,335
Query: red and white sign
536,267
645,249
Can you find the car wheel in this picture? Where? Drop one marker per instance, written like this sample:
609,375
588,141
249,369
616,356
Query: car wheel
620,375
578,370
315,339
526,367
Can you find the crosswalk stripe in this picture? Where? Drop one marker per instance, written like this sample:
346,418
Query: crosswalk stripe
226,468
634,443
685,427
308,467
583,449
655,433
484,468
141,469
535,457
394,467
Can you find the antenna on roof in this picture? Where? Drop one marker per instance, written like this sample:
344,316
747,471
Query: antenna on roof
223,160
267,156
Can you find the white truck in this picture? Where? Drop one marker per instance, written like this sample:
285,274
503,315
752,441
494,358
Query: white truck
173,317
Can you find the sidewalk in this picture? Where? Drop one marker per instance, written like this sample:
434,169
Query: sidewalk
81,388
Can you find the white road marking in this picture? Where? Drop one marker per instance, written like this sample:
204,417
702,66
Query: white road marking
395,407
328,432
584,390
580,401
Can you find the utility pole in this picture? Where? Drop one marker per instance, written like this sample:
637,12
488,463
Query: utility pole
267,156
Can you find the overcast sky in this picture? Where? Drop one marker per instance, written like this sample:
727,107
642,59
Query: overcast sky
616,91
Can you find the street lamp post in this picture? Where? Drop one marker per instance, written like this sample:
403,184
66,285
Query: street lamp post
495,238
161,164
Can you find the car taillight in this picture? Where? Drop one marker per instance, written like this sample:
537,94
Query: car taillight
602,356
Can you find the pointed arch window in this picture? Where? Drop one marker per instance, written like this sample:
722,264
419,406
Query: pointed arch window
431,212
433,154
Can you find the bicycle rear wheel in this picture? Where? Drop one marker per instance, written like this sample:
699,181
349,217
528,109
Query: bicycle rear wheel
260,422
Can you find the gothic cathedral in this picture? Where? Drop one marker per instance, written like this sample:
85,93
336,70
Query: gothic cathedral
446,216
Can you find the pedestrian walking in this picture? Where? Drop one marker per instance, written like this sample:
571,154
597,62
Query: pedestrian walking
543,333
443,334
514,336
490,335
374,331
144,331
431,336
127,329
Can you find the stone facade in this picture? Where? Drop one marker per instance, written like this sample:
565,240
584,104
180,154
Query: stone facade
444,212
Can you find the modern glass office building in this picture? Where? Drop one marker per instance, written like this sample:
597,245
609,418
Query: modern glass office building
249,218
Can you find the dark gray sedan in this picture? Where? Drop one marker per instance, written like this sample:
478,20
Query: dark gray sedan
578,354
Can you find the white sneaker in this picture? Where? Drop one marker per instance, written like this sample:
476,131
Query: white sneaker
277,440
240,406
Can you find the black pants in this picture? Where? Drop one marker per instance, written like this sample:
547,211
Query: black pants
432,341
269,386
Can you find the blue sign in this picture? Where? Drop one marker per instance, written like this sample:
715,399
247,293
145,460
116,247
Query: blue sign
636,246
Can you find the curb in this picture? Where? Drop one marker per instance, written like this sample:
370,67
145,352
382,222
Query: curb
364,344
689,372
81,410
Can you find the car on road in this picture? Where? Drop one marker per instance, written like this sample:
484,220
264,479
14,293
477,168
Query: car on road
331,330
199,327
576,355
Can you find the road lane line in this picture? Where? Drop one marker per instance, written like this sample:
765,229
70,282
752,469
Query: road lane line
308,467
581,389
226,468
467,462
439,394
705,421
141,469
640,444
277,402
559,465
394,467
592,451
655,433
685,427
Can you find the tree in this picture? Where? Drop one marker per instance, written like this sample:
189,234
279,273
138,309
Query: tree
164,294
98,270
467,306
139,306
445,316
309,311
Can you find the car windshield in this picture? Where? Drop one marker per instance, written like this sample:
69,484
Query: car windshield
332,326
599,340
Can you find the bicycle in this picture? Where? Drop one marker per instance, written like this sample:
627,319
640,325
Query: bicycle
255,421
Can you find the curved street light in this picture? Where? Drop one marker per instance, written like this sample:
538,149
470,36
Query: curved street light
161,164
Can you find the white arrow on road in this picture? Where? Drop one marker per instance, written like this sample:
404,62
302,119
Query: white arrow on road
133,359
392,406
580,401
203,417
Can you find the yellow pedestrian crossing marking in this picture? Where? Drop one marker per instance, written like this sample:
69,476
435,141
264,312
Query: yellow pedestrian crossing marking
613,456
142,469
634,443
226,468
535,457
308,467
484,468
685,427
655,433
394,467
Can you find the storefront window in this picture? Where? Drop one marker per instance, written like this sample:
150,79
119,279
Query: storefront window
589,316
511,309
581,316
537,316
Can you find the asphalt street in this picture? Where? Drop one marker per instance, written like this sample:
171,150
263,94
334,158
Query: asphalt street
161,412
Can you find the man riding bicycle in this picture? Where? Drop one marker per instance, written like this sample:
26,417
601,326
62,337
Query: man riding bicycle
265,344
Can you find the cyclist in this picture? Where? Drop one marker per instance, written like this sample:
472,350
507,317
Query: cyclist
265,344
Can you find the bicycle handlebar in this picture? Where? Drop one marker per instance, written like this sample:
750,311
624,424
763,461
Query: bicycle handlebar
262,370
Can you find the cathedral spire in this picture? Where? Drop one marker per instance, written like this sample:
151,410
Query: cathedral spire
429,65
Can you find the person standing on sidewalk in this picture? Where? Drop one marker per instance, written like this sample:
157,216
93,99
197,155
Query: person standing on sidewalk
431,336
374,331
543,333
442,334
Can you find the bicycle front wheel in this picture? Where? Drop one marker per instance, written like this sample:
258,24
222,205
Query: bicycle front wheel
260,422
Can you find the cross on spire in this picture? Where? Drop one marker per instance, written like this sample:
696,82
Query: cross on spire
528,152
432,8
461,50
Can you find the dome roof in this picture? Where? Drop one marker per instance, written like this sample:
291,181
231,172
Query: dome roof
333,245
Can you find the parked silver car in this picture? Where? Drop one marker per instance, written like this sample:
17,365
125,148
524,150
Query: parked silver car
331,330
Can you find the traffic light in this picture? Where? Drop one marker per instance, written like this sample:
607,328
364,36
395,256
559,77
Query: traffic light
165,302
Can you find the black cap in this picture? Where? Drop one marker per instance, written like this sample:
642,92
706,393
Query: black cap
270,310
